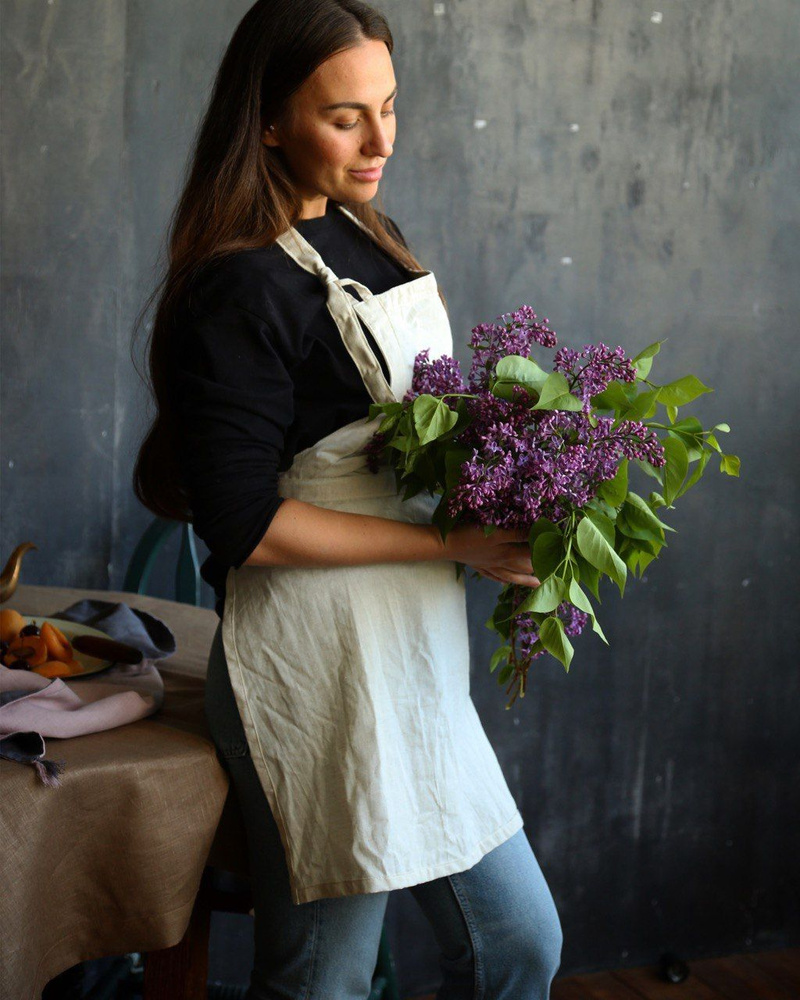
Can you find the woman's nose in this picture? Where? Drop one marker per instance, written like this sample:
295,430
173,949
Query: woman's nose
378,142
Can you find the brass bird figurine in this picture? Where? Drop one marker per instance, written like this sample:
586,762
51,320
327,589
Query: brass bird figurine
9,578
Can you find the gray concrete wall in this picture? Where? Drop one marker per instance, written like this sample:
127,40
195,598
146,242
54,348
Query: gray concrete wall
631,177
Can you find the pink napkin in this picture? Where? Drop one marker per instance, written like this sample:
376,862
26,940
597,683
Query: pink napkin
32,706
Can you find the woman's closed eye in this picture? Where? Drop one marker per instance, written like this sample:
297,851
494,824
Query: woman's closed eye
350,125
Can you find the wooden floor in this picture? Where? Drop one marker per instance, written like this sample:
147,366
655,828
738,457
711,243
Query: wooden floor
766,975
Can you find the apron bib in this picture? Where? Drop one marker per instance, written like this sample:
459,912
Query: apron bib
352,682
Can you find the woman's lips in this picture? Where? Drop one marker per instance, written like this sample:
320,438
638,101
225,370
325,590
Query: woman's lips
368,175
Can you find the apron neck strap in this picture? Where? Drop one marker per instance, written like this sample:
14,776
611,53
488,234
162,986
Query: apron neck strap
343,312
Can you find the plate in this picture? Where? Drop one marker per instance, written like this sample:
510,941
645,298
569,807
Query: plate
90,664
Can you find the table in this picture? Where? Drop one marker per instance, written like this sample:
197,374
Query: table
111,862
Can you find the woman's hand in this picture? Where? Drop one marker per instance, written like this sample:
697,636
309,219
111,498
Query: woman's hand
504,556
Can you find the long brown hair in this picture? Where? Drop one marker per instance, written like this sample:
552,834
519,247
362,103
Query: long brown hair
239,194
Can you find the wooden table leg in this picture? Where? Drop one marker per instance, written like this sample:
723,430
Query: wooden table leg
181,972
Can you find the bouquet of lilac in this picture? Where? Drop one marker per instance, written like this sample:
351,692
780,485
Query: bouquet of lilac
516,446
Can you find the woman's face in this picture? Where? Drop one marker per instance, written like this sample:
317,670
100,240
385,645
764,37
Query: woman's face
324,146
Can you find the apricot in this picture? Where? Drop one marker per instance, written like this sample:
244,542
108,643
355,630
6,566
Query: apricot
58,645
53,668
10,624
27,647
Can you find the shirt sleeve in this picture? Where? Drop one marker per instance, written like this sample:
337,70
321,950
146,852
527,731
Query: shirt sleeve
235,403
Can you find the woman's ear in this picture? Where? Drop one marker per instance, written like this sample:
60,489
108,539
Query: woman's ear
268,136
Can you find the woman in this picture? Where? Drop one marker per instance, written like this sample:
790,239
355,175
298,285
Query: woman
338,681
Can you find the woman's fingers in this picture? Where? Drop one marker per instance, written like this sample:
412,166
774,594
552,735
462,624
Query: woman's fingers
524,579
489,576
518,560
511,559
506,576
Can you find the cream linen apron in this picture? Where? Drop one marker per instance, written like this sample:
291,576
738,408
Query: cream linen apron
352,682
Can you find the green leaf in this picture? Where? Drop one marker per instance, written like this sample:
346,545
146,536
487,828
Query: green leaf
413,487
453,459
689,425
682,390
402,443
501,626
649,545
651,350
599,504
603,523
638,559
578,598
547,554
672,413
539,527
676,468
505,674
582,602
389,409
648,469
595,547
645,558
614,491
631,557
721,427
693,450
598,630
730,464
697,473
637,550
498,656
516,370
644,359
589,575
546,597
555,641
643,514
432,418
555,395
635,529
643,406
393,416
690,431
505,390
443,521
616,396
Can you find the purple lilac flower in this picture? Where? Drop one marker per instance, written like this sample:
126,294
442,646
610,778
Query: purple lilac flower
516,333
435,377
373,449
527,464
602,367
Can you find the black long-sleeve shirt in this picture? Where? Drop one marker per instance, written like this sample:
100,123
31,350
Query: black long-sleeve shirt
261,373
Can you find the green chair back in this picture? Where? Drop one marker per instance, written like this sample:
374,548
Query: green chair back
188,582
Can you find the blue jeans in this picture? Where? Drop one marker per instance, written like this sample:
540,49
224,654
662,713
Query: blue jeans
496,923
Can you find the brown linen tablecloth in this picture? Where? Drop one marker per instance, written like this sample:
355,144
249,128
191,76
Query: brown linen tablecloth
111,861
